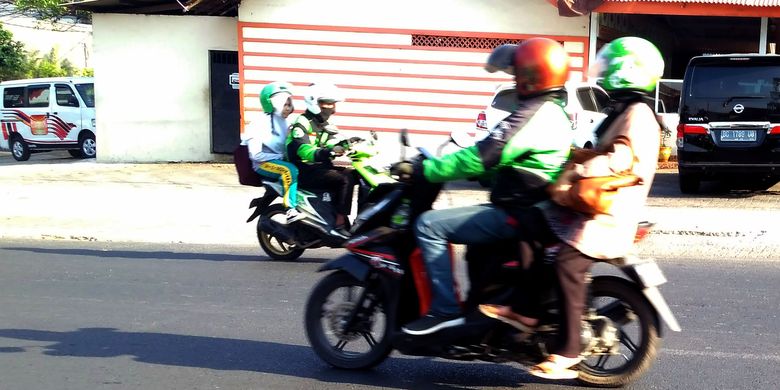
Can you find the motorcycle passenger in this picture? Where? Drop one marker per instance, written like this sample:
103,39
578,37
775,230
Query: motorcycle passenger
311,148
628,139
522,154
266,138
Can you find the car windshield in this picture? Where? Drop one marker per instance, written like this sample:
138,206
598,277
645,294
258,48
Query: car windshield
87,92
735,81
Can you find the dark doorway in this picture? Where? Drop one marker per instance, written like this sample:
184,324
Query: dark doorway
681,37
225,114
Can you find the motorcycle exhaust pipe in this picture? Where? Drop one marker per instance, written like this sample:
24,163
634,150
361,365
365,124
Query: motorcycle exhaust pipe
276,229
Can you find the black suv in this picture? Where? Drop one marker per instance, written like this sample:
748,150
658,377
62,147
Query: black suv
729,119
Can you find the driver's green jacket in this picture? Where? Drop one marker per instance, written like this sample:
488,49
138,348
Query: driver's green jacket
306,141
527,149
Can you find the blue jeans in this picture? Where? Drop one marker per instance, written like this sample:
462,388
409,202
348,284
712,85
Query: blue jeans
464,225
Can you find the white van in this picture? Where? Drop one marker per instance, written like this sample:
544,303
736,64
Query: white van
46,114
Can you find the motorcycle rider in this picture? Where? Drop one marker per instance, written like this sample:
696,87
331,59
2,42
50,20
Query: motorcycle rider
523,154
265,139
628,139
311,148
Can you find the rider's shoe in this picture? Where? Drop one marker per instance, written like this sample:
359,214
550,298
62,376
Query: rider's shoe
294,215
432,323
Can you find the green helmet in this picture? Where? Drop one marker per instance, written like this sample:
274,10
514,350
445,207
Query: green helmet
270,90
628,63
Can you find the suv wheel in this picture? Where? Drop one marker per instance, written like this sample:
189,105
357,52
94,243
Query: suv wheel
689,183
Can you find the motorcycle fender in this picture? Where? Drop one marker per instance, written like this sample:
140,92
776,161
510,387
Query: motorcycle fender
655,298
259,204
349,263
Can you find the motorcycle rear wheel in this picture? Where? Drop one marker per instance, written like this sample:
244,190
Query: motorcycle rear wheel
638,335
330,304
272,246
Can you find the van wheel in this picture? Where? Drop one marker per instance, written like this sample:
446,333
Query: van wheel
689,183
19,149
87,146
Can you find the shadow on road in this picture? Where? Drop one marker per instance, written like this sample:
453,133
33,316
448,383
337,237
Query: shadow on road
260,356
156,255
666,185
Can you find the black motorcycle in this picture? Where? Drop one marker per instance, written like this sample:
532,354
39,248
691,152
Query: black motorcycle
354,315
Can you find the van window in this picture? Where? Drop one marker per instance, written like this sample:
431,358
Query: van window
65,96
13,97
38,96
87,92
730,81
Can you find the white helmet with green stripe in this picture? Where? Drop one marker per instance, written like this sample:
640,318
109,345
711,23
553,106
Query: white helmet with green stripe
628,63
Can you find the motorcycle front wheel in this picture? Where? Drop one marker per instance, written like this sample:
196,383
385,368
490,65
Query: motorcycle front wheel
334,301
273,246
637,330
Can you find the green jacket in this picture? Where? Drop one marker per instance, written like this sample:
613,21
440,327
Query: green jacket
307,142
523,153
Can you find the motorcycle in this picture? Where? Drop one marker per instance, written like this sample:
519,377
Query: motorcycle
282,241
354,314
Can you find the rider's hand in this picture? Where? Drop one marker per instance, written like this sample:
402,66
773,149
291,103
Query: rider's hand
338,150
354,140
404,170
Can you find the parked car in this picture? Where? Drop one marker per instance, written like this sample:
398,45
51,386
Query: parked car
729,120
584,105
46,114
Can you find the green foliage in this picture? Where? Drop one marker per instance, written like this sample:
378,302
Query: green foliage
17,63
50,10
13,58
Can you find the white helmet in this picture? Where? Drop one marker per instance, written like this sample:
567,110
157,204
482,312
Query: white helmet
321,93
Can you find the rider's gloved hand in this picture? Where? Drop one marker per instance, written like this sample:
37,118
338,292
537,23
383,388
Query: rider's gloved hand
353,140
338,150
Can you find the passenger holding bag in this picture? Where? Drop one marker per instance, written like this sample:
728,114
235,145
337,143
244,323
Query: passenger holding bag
596,203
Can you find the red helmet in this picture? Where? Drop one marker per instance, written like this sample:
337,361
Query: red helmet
541,64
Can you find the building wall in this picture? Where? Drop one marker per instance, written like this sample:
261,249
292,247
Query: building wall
402,64
152,85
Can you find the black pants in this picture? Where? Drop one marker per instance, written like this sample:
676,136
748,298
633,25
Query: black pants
563,270
338,181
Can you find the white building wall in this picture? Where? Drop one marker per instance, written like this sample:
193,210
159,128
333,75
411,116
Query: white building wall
494,16
367,48
152,85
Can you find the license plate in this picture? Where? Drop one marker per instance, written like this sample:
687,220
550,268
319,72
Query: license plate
738,135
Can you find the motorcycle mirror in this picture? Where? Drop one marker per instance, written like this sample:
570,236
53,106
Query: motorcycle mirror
404,137
461,138
373,135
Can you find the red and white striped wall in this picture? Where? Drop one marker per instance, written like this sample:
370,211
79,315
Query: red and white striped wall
429,82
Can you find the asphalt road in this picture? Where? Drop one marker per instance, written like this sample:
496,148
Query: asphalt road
80,315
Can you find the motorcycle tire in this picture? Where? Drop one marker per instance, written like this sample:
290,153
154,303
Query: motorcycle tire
272,246
596,371
322,322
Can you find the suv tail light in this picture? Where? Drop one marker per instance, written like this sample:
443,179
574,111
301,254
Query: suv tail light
683,129
482,121
775,130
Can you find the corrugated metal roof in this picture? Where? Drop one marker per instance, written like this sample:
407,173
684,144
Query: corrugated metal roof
746,3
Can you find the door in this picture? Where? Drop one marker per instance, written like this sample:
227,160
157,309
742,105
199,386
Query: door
35,117
65,119
225,114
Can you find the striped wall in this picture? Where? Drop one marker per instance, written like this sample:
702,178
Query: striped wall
389,83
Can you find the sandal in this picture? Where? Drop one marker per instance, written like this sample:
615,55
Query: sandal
507,316
556,367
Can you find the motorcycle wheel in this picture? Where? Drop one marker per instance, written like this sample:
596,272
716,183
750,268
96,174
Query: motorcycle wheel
272,246
637,332
331,303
